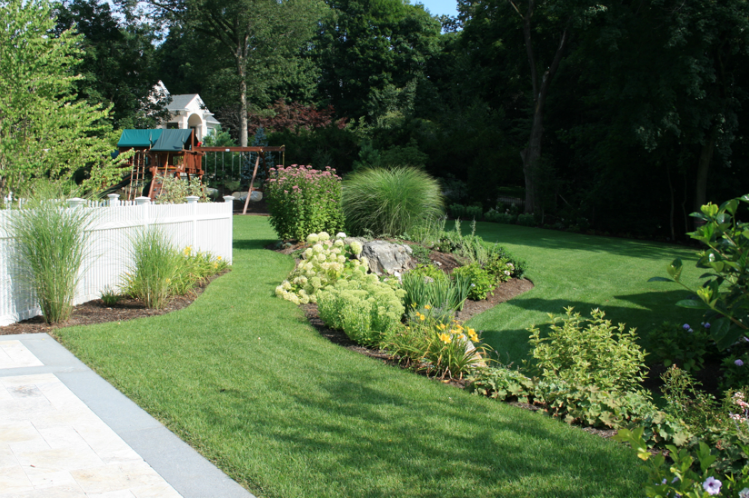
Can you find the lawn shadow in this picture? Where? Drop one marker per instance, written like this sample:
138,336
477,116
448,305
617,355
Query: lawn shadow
552,239
439,450
652,309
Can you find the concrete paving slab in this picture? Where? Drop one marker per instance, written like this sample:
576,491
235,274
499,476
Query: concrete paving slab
65,431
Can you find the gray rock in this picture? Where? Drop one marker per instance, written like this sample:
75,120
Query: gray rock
241,196
386,258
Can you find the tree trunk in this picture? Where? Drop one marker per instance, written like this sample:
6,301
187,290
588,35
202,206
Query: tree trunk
242,69
531,156
703,168
532,153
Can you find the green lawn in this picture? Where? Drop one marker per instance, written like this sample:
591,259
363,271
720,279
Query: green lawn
243,378
585,272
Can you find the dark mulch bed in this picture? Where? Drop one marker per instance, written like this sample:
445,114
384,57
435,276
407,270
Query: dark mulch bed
97,312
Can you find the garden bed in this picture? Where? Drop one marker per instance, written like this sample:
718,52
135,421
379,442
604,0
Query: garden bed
96,311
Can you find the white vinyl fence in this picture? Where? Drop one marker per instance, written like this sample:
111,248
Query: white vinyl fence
202,226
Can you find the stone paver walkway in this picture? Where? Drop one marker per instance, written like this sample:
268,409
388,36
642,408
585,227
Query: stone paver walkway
67,433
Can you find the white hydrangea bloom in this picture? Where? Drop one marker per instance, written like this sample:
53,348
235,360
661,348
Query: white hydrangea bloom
338,243
279,291
317,248
294,299
304,299
316,282
308,253
365,262
356,247
323,236
286,285
341,259
340,235
312,238
321,257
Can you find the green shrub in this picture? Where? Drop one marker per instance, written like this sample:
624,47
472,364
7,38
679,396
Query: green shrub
155,264
429,271
724,296
501,384
440,292
735,372
457,210
496,216
110,296
473,212
176,190
588,352
390,201
195,268
363,307
501,268
482,283
321,265
685,472
52,240
302,201
527,220
439,349
682,345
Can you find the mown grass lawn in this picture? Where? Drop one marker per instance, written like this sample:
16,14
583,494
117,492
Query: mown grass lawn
243,378
585,272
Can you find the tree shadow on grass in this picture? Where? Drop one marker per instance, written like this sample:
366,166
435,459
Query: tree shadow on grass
405,437
552,239
652,309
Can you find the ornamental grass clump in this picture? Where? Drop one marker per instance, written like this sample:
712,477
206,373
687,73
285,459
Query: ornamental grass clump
155,264
159,271
363,307
390,201
322,265
52,240
302,200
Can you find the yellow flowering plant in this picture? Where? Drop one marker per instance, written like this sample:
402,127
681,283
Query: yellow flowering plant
445,350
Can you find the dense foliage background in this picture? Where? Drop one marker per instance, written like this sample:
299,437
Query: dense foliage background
618,115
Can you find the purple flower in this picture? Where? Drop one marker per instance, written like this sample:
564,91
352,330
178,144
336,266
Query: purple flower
686,326
712,486
738,363
707,325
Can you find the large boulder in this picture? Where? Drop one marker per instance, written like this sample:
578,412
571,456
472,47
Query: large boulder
386,258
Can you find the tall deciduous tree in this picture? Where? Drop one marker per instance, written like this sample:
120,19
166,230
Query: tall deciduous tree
118,61
365,47
546,27
45,133
256,34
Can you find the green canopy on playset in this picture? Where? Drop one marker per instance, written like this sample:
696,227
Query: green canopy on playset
157,140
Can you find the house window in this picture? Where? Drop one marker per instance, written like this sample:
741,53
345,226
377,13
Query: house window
172,126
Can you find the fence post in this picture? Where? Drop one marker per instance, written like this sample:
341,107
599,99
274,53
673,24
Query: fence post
76,202
229,201
114,199
144,202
